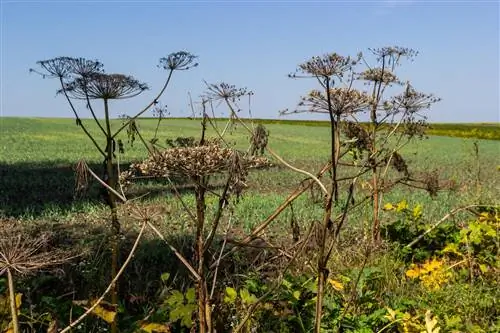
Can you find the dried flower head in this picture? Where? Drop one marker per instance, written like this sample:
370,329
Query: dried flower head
85,68
193,161
431,181
181,60
144,212
259,140
392,54
399,164
65,68
379,75
59,67
412,100
104,86
22,253
353,130
327,65
343,101
224,91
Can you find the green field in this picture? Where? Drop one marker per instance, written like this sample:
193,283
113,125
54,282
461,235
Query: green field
37,153
37,186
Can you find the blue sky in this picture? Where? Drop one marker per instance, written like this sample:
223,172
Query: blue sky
252,44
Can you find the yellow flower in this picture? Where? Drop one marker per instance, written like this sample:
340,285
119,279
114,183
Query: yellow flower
388,206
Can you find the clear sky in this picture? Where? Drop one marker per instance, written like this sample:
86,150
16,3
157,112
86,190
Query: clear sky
252,44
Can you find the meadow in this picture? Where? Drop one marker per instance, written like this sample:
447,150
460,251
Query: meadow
37,186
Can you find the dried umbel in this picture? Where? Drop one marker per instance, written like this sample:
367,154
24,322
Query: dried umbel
399,164
379,75
22,253
431,181
391,54
327,65
224,91
59,67
85,68
412,101
104,86
179,61
195,161
68,67
343,101
358,134
259,140
415,128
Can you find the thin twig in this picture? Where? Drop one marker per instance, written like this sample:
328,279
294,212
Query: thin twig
111,284
176,252
103,183
447,216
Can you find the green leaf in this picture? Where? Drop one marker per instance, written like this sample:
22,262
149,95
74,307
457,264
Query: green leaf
175,299
231,295
296,294
247,297
183,313
164,277
191,296
287,284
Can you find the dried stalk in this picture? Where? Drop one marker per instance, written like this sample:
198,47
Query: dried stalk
110,286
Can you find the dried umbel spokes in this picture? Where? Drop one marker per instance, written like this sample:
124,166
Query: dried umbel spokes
356,131
104,86
224,91
23,253
379,75
85,68
160,111
181,60
392,54
60,67
343,101
81,176
144,213
327,65
413,101
414,128
193,161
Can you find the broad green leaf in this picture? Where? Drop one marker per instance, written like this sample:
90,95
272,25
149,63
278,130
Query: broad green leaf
175,299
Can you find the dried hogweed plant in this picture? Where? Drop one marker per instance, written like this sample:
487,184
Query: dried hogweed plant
346,95
230,95
82,79
336,102
394,120
22,254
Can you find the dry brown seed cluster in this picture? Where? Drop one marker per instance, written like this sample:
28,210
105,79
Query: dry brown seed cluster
353,130
399,164
193,162
343,101
379,75
327,65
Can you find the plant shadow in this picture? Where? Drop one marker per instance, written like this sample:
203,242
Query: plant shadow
37,189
